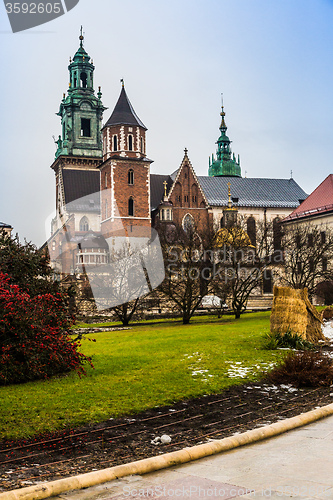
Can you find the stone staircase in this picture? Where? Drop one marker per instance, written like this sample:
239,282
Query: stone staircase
260,302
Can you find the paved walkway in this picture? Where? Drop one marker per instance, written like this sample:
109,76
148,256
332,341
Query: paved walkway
297,464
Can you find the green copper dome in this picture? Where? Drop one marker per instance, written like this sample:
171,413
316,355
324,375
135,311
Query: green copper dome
225,163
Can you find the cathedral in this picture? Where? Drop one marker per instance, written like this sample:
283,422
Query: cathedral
104,185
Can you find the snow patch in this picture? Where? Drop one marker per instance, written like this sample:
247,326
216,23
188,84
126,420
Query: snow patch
196,370
237,370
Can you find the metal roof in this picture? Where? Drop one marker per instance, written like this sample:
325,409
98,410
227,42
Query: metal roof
4,225
157,188
319,202
81,190
252,192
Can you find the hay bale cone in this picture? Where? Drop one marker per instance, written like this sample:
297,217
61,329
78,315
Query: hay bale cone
292,311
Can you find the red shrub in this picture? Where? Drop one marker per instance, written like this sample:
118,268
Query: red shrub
34,339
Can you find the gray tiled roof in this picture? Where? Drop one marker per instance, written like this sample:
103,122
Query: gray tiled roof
252,192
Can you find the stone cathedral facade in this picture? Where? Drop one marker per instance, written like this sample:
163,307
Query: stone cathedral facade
104,184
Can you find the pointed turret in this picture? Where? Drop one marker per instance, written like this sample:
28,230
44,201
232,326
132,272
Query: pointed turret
124,134
225,164
123,113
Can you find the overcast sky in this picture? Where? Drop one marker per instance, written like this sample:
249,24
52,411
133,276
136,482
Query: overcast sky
273,61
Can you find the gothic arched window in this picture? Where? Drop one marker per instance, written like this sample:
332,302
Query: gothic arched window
131,207
188,223
131,177
115,143
141,145
130,143
84,224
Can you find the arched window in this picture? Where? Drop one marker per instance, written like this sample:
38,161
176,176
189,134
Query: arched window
106,180
141,145
251,230
115,143
84,224
131,177
188,223
130,143
131,207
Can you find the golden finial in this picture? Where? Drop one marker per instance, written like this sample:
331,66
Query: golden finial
63,95
122,83
165,188
70,59
229,195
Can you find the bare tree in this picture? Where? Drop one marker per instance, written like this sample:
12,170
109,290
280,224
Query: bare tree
308,250
245,266
188,266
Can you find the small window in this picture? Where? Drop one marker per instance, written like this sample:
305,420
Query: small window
141,145
84,224
130,143
251,230
85,127
131,177
115,143
106,180
131,207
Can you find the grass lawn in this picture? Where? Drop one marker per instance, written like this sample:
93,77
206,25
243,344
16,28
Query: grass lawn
147,366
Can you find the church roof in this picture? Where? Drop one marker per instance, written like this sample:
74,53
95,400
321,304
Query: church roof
81,190
252,192
3,225
320,201
123,113
157,188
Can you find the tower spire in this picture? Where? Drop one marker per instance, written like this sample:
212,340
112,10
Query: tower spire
81,37
225,164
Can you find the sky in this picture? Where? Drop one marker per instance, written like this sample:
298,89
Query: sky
272,60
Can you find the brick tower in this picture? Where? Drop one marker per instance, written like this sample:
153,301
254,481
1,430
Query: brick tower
125,173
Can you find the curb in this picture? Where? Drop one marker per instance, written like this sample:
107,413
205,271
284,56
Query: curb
47,490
